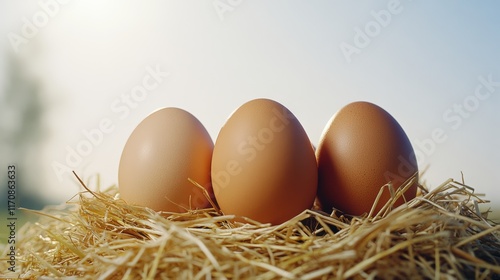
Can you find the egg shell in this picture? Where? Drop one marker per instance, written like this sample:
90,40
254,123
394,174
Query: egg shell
164,150
263,165
361,149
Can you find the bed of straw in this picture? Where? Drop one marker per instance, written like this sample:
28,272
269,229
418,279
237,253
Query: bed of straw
440,234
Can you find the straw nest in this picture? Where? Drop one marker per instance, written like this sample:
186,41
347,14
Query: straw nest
440,234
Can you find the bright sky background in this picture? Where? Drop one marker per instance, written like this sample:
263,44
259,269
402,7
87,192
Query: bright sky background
426,59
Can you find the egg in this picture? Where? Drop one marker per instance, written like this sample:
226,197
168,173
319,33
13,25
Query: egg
362,148
263,164
164,150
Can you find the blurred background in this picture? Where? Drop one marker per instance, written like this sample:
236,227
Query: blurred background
76,77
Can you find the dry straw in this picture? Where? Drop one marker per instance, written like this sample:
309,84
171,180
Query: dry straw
440,234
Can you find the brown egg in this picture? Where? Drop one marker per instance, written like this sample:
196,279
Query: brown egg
362,148
164,150
263,165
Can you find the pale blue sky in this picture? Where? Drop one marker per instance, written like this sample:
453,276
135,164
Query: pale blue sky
425,60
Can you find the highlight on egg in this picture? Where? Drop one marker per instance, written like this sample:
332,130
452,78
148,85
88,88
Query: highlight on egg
363,148
164,150
263,164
